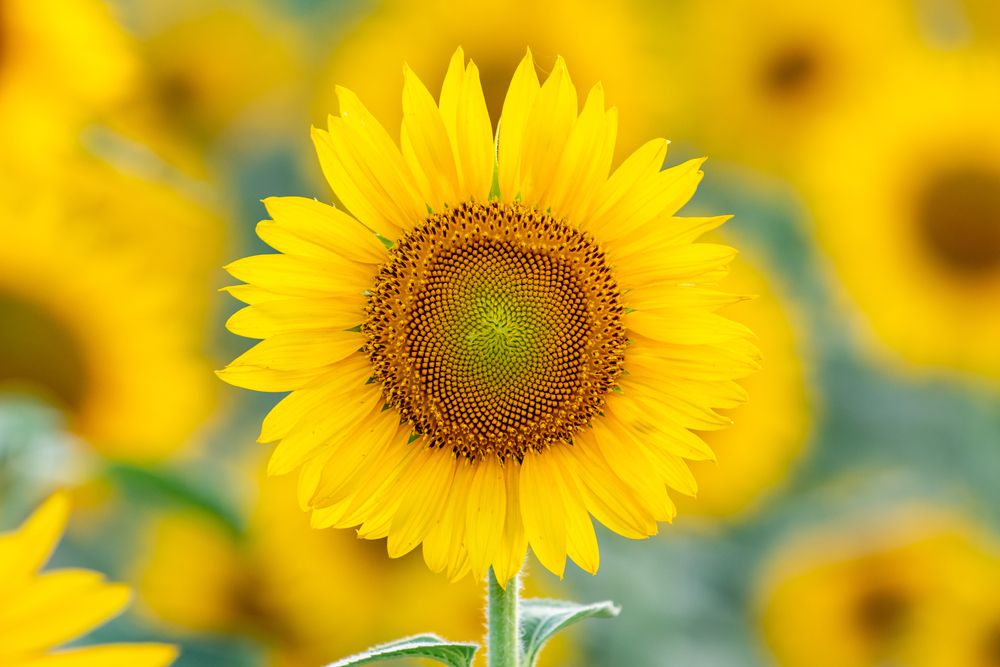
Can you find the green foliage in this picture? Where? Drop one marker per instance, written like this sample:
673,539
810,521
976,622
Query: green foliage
430,646
541,619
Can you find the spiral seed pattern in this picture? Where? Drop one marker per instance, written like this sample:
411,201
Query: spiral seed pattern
495,329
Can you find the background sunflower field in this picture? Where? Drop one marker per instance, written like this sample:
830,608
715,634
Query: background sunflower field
853,517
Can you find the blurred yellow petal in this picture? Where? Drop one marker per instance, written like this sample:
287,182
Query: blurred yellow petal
110,655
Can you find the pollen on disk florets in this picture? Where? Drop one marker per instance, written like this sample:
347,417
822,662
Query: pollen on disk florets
495,329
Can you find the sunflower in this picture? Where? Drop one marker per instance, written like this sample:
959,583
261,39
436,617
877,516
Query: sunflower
101,315
755,92
308,595
62,63
909,209
607,41
921,592
524,355
40,611
200,74
768,433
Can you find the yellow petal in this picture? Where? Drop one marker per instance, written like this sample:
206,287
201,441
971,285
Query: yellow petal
662,195
486,514
636,171
543,511
327,227
251,294
347,375
581,541
721,361
670,467
605,495
265,319
662,231
679,296
685,327
25,550
352,185
475,138
109,655
265,379
602,165
428,141
514,543
459,567
675,401
645,423
634,468
56,607
443,543
302,349
308,277
451,89
681,264
309,436
581,171
549,124
374,149
423,503
353,458
517,106
393,464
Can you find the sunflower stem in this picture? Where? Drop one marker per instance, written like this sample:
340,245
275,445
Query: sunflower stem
502,621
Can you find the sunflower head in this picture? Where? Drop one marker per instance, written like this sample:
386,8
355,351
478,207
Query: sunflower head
503,340
507,334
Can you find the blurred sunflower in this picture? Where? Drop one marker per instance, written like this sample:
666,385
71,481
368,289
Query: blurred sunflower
755,91
909,209
41,610
769,432
309,595
200,74
487,407
919,593
102,301
61,63
606,41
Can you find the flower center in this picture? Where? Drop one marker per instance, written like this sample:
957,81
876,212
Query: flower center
495,329
882,613
790,72
38,354
959,219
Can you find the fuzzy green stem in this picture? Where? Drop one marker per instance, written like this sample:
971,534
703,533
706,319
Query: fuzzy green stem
502,621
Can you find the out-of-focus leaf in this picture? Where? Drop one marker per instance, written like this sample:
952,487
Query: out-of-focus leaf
145,483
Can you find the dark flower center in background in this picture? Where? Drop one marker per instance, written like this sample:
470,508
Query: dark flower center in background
991,647
959,219
495,329
882,614
791,72
39,355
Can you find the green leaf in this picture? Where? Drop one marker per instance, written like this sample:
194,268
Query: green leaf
453,654
152,484
541,619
